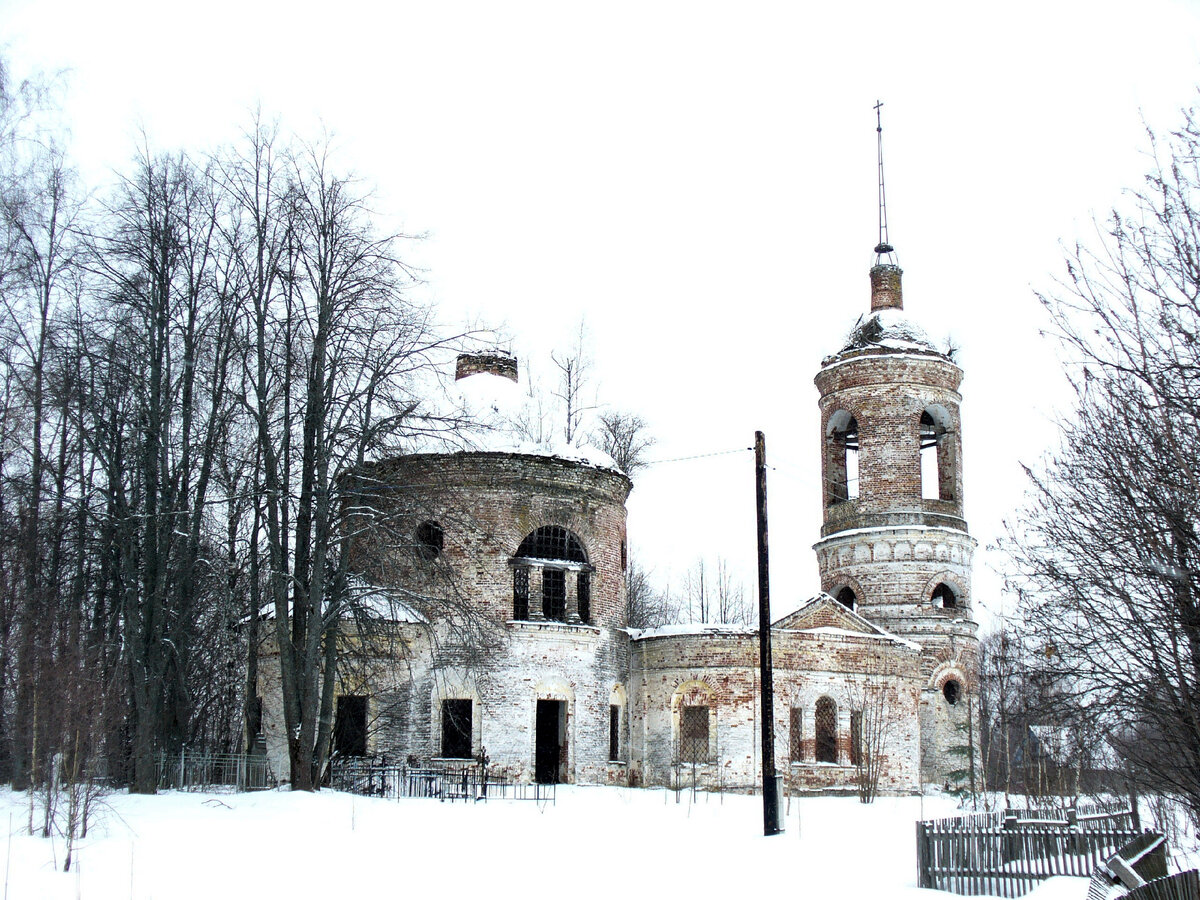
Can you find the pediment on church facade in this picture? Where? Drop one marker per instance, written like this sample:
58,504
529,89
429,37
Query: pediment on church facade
822,611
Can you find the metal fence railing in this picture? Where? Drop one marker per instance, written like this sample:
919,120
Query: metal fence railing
469,783
198,771
1008,853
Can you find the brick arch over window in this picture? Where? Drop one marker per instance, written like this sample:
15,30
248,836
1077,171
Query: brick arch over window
842,583
946,672
841,457
550,567
825,730
939,585
552,542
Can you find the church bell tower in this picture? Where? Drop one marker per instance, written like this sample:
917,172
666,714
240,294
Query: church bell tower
894,543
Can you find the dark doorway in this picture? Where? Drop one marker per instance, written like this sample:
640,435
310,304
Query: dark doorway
550,754
456,729
350,726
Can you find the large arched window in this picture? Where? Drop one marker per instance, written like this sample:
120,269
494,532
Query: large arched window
825,724
846,597
937,454
555,557
552,542
842,457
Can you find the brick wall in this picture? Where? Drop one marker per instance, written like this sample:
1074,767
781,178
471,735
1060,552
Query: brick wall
485,504
721,669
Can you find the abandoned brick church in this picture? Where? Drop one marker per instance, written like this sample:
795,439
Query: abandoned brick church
520,651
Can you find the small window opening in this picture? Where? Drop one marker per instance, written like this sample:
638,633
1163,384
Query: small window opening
624,556
846,597
456,729
951,690
614,733
796,735
554,594
856,738
350,726
430,540
693,735
944,597
825,724
843,458
585,597
521,592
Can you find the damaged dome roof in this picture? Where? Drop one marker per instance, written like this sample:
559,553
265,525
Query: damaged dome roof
888,329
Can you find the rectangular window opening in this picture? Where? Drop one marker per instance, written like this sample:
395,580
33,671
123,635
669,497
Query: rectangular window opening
456,729
693,735
585,597
554,594
521,593
614,733
796,735
856,739
852,473
930,479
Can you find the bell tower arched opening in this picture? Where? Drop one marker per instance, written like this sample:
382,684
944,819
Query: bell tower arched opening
841,463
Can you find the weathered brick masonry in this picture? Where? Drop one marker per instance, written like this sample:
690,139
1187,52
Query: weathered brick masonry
905,556
507,631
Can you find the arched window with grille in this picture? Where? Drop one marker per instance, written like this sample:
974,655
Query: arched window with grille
825,726
552,552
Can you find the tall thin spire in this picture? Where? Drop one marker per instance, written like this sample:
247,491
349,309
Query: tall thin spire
883,247
885,274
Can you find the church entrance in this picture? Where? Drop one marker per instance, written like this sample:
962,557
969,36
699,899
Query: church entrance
550,753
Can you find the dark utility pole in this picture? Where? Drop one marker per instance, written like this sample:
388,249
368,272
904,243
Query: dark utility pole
770,795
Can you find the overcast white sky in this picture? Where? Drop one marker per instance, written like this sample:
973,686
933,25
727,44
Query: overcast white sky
696,179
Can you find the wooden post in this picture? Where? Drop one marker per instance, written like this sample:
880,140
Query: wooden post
923,879
770,785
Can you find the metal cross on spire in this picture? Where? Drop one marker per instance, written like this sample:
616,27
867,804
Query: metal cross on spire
883,248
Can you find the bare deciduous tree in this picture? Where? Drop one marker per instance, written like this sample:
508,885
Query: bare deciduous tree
1106,552
625,438
574,378
647,607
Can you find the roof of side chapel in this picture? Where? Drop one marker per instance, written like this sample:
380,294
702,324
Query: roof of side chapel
821,614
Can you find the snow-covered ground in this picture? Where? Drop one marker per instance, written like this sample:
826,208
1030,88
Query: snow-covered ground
593,842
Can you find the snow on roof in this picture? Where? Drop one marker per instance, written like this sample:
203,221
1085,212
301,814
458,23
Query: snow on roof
366,599
871,632
692,628
379,602
495,405
882,529
888,329
502,442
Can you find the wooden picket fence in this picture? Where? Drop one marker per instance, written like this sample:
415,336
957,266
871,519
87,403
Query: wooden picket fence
1007,854
1182,886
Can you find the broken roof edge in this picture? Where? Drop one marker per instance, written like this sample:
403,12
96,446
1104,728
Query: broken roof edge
598,460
